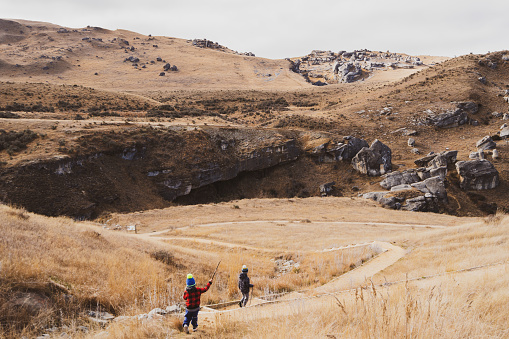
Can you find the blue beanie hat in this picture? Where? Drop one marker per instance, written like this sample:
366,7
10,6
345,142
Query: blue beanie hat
244,268
190,280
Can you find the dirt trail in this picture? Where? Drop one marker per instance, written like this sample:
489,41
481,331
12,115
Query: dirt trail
357,276
316,303
341,287
319,222
254,248
296,300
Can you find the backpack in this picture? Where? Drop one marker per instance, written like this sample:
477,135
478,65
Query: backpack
244,282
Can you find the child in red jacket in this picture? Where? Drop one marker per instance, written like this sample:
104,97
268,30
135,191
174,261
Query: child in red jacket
192,297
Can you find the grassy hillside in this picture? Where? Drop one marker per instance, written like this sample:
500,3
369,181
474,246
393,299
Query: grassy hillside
55,265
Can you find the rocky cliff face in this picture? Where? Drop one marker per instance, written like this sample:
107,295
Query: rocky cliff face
145,172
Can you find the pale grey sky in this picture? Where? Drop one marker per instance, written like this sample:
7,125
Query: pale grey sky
279,29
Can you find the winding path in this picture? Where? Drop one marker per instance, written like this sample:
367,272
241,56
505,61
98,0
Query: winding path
313,299
308,300
352,279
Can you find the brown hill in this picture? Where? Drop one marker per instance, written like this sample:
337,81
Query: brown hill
75,87
49,53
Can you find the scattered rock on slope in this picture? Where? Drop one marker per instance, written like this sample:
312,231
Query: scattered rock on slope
373,161
328,150
429,160
423,196
477,175
485,143
411,176
454,118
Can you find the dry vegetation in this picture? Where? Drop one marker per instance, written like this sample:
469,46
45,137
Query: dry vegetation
53,258
83,98
72,267
105,271
457,305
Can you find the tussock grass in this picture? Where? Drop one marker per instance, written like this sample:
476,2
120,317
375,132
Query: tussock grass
457,248
159,329
474,309
100,270
74,266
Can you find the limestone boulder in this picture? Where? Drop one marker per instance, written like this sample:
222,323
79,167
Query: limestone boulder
421,204
402,187
439,171
446,158
327,150
326,189
434,185
367,162
495,155
348,72
423,162
373,161
385,153
477,174
353,147
449,119
485,143
468,106
439,161
400,178
381,197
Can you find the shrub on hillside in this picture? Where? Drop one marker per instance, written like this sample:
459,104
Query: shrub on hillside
37,107
9,115
16,141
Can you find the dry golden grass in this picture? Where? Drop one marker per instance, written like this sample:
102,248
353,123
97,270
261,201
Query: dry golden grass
112,268
114,271
313,268
131,274
158,329
475,309
475,244
456,305
99,269
314,209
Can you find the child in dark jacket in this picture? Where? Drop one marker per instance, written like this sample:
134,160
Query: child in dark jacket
244,286
192,297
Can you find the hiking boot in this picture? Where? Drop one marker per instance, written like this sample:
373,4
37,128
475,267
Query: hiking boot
240,303
195,329
186,329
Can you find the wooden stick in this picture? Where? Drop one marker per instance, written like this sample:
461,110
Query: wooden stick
213,275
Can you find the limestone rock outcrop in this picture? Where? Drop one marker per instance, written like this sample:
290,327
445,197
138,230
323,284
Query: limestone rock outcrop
373,161
348,72
447,158
423,196
477,175
327,150
454,118
486,143
449,119
411,176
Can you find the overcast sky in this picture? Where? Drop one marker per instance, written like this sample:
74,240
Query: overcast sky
280,29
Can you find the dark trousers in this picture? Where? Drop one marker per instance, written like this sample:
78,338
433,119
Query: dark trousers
245,298
191,317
